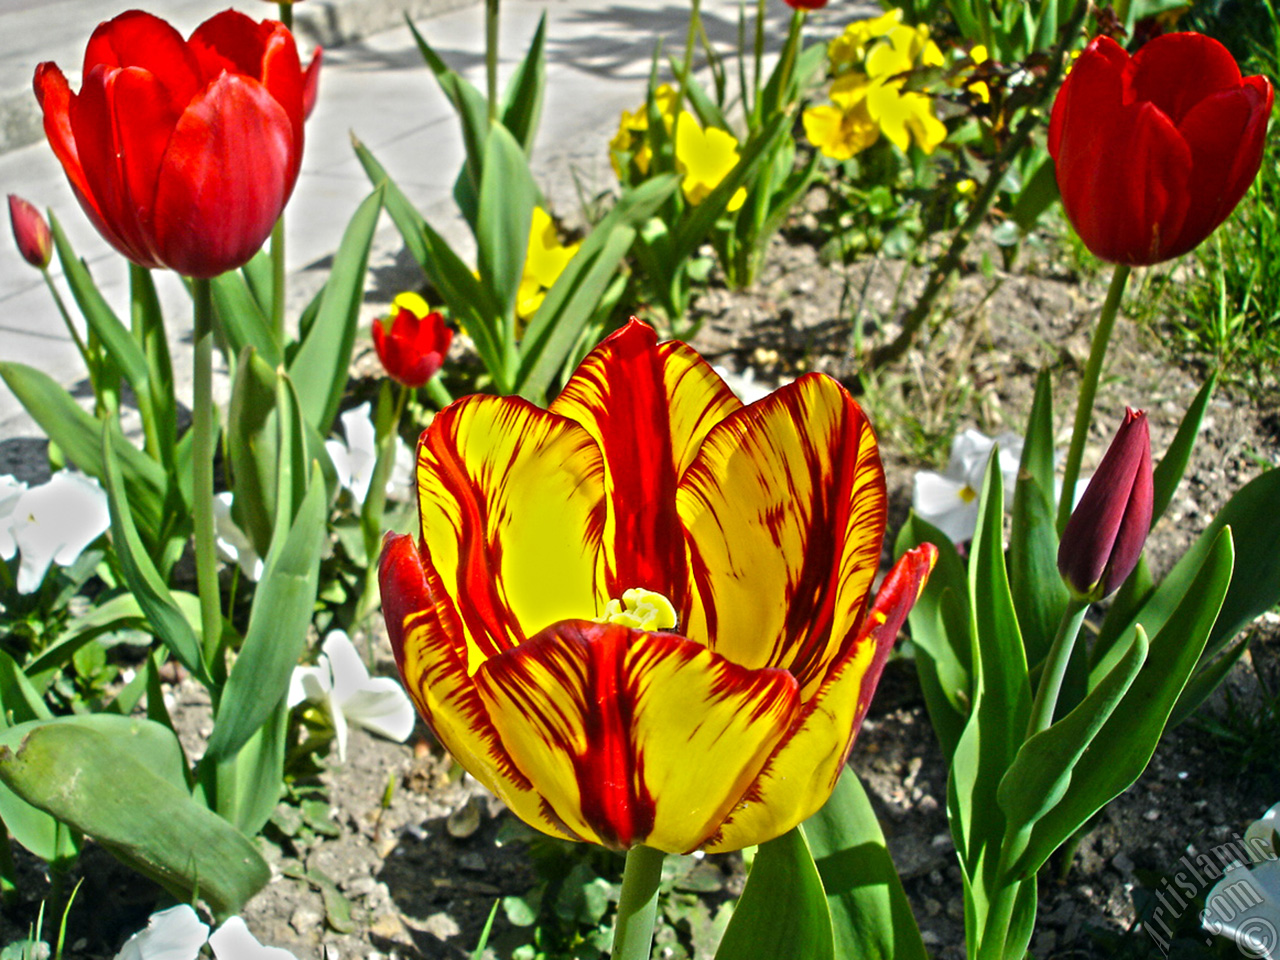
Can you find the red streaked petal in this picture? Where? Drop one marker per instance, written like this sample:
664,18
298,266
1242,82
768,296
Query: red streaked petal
634,737
511,503
426,637
648,406
229,169
801,774
784,510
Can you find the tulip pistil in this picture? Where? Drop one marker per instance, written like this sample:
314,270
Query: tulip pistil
640,609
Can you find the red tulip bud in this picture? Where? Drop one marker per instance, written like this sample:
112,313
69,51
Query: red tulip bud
412,342
806,4
1105,535
31,231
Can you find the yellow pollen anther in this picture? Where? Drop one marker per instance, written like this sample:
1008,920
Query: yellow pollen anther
967,494
640,610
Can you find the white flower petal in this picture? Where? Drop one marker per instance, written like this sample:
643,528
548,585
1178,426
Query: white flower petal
381,706
173,934
53,523
948,504
310,683
232,543
362,450
1245,906
349,671
11,490
233,941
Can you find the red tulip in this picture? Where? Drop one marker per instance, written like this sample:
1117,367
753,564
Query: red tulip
182,152
1105,535
31,230
1155,150
806,4
412,342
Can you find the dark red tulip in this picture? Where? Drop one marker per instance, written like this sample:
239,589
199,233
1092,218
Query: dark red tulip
1155,150
412,342
182,152
806,4
1105,535
31,230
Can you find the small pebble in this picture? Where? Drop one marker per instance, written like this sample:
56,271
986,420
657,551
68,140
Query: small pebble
305,920
473,862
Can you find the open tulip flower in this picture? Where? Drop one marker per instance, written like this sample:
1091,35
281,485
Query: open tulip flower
1153,151
182,152
641,616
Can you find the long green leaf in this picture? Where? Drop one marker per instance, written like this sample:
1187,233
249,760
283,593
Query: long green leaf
1120,752
79,437
319,368
1168,472
521,107
253,448
507,198
282,608
159,408
870,915
113,780
240,319
113,614
163,613
250,783
783,909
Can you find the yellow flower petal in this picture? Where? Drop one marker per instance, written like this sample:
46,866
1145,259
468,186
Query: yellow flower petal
703,157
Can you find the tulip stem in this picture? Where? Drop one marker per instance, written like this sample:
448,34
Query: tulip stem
637,904
203,443
277,281
1055,667
491,55
1089,390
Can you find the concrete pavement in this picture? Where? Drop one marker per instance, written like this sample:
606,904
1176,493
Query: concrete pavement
373,85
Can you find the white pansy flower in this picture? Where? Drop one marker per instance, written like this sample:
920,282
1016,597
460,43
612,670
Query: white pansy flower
1245,906
233,941
173,934
949,500
355,457
232,543
51,523
340,683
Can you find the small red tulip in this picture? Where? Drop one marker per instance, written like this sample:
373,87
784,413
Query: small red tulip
182,152
1153,151
806,4
412,342
1105,535
31,231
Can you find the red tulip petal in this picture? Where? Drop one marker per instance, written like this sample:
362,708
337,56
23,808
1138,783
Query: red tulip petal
648,406
1226,133
229,170
93,125
1178,70
427,640
803,771
282,76
1093,91
785,513
144,119
311,83
137,39
511,500
635,737
232,42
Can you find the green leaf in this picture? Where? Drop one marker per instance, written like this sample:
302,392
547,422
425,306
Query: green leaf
241,320
253,448
282,608
1037,196
79,437
114,779
1168,472
522,104
250,783
319,368
114,335
1041,772
1116,757
507,198
164,615
783,909
870,915
159,409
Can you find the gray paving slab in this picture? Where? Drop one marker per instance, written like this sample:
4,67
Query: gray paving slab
373,85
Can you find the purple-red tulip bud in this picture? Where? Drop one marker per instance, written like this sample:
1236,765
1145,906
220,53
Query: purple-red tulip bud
1105,535
31,231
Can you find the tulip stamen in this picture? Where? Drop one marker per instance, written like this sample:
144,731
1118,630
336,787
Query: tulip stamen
640,609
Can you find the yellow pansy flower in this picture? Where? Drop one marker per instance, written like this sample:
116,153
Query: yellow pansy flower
545,261
979,88
902,114
848,48
845,126
633,129
704,158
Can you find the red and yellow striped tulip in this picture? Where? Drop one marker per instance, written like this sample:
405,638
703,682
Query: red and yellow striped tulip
641,616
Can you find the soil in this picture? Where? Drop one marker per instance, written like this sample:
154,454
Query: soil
421,853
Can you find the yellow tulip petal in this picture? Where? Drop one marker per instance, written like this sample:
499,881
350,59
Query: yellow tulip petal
511,499
608,721
426,636
802,773
784,510
648,406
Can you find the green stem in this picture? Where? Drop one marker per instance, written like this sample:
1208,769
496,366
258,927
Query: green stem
690,44
789,54
277,281
66,318
438,392
204,438
1089,389
758,76
1055,667
637,904
491,55
286,14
